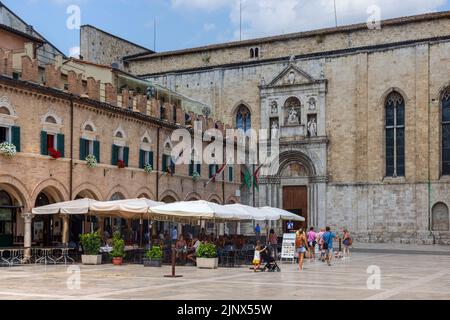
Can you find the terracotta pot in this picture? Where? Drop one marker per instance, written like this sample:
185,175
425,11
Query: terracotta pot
117,261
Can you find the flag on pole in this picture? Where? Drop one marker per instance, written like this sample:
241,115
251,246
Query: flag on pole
218,173
256,176
246,177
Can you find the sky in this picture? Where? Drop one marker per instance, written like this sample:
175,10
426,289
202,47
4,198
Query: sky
191,23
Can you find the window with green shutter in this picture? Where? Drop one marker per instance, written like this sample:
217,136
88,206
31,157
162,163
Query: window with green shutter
141,159
15,137
114,155
230,174
82,149
191,169
126,156
150,159
61,144
44,149
165,160
97,150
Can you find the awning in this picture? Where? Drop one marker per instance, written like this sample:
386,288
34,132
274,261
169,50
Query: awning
203,210
126,209
75,207
284,215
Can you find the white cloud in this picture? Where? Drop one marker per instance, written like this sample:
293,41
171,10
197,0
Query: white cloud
209,27
270,17
74,52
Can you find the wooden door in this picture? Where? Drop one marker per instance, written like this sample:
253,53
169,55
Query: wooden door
295,200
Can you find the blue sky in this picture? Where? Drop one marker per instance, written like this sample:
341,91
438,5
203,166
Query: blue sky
190,23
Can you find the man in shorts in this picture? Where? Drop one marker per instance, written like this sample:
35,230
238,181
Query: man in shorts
328,237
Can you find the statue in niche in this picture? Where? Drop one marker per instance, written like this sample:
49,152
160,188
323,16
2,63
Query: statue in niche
312,104
312,127
274,129
293,116
291,78
274,107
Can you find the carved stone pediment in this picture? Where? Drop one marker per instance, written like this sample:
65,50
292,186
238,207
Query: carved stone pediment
292,75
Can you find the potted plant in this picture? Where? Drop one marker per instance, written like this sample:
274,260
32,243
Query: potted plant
118,251
121,164
207,256
91,161
8,150
91,243
148,168
196,176
153,257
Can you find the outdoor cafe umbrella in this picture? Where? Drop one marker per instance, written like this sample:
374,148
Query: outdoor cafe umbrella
284,215
202,210
126,209
75,207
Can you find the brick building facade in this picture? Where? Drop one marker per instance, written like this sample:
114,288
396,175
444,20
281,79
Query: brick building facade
362,116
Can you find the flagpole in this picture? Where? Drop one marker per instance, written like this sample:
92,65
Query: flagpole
335,14
240,20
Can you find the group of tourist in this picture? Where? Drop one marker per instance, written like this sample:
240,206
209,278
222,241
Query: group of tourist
321,242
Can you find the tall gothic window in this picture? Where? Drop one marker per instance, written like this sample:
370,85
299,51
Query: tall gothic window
395,135
446,132
243,118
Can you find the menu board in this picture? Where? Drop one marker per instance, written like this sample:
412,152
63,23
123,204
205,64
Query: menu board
288,247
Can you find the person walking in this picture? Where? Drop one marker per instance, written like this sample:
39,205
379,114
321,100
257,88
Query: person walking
273,242
328,237
300,244
174,234
320,243
348,242
258,231
312,244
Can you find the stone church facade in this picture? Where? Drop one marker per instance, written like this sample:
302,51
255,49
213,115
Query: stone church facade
362,117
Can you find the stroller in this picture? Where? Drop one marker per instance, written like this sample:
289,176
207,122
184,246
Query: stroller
271,264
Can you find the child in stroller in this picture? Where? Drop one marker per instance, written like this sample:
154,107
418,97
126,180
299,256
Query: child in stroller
271,264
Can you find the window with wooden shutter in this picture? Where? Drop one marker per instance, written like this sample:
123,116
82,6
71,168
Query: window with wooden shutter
15,137
44,149
114,155
61,144
97,150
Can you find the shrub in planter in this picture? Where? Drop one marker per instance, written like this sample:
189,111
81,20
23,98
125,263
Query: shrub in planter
148,168
207,256
196,176
118,251
91,243
8,150
91,161
153,257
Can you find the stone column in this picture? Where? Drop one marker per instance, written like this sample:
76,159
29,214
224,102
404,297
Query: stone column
65,229
28,219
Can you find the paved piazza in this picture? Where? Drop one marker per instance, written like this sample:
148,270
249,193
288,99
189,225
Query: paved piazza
403,276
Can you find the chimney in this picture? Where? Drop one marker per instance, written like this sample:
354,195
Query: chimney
93,89
30,69
75,83
141,103
52,76
156,111
110,94
6,63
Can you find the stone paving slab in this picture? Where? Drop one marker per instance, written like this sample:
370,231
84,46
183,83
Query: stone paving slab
402,277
